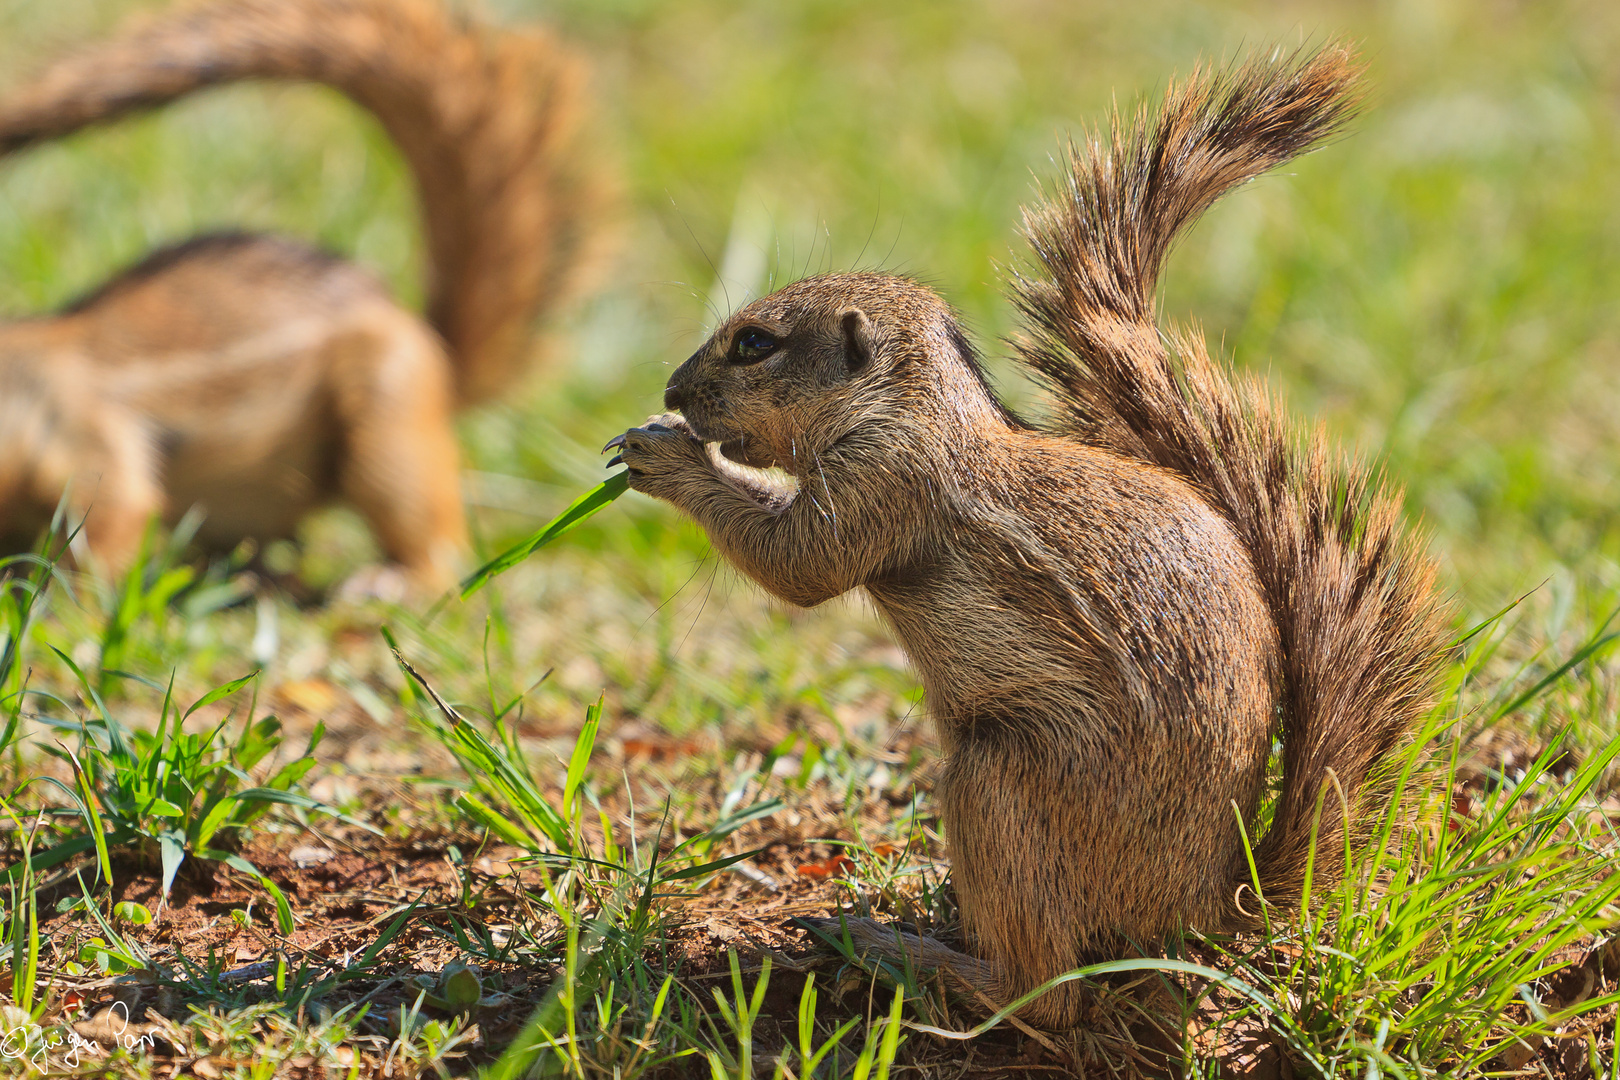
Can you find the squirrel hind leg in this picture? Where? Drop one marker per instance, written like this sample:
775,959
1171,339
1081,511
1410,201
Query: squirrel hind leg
400,461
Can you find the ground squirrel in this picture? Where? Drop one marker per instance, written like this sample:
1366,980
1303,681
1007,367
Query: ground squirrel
1113,614
257,377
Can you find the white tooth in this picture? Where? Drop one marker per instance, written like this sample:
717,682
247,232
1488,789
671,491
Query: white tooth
773,481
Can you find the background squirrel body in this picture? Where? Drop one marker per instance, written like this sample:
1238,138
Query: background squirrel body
261,378
1112,617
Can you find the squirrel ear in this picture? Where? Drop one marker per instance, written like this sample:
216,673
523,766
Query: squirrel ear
857,338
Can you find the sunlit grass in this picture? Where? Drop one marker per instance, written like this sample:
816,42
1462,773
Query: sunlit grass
1437,288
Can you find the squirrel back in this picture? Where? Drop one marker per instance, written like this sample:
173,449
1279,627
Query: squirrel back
486,121
1350,590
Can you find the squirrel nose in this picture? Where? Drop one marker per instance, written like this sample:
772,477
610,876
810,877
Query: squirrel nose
674,398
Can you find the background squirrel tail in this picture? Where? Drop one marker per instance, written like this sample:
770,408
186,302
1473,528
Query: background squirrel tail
1350,591
486,121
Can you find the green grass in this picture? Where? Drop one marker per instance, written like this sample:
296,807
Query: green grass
1437,288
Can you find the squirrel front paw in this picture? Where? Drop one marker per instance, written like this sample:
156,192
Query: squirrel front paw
659,454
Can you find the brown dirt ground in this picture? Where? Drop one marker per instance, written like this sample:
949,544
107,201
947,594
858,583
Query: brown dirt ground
348,885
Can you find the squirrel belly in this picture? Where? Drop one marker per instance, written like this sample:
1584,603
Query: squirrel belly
1103,672
1114,616
258,377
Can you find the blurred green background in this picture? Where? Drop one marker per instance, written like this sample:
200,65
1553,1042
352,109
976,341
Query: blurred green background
1439,287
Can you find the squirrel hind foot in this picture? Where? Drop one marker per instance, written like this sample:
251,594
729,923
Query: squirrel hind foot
901,945
1059,1008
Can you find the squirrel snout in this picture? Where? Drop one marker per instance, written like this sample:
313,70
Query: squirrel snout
674,398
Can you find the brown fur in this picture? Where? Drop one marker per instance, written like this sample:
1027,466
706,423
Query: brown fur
1112,616
258,377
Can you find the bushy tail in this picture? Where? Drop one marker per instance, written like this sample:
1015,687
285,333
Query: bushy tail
487,122
1350,591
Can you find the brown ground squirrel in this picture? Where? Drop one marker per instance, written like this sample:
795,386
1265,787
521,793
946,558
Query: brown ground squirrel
1113,615
258,377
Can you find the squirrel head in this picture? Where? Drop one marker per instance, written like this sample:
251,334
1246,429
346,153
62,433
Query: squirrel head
794,372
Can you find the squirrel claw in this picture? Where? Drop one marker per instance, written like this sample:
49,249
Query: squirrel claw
617,440
617,459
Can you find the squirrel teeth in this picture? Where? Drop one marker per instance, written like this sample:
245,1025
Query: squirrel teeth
773,488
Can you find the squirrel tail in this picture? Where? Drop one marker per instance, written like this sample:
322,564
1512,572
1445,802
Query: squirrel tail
1351,592
487,122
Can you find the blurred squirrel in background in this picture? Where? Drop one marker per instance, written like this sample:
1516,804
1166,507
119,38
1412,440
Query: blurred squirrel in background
257,377
1113,615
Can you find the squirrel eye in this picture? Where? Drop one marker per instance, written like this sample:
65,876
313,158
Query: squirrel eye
751,346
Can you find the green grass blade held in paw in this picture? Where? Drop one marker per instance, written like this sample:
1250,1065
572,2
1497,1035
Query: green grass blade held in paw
578,510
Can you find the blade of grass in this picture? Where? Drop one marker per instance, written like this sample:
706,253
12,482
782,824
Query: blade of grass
593,501
1593,644
490,769
220,692
98,832
580,758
